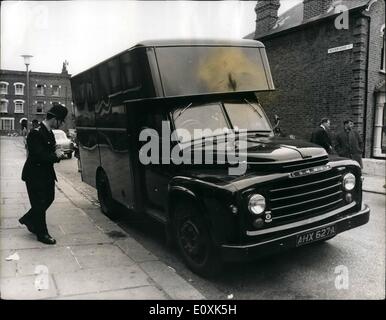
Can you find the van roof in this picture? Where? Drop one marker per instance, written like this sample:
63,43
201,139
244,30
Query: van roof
181,43
200,42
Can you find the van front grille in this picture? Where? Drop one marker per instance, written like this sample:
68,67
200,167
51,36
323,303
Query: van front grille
305,163
298,198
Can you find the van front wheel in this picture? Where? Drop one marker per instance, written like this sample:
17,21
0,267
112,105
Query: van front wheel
194,241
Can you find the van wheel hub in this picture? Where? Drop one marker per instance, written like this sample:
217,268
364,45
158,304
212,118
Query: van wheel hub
191,239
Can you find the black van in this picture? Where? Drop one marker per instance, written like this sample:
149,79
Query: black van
143,120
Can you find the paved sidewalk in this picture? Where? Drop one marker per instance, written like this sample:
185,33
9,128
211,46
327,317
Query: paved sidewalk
374,173
93,257
374,184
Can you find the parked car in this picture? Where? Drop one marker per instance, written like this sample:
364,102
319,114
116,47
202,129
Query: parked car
65,144
71,134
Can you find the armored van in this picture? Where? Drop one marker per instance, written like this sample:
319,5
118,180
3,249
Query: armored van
173,129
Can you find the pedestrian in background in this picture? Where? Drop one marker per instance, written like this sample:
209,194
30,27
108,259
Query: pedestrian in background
76,151
349,143
321,135
24,132
35,124
39,174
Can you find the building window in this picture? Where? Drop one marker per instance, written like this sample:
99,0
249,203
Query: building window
4,87
19,88
7,124
56,91
40,90
39,107
19,106
4,106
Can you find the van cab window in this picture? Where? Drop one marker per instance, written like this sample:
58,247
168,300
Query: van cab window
247,116
199,117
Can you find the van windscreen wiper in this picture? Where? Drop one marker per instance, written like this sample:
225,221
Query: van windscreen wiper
259,133
254,108
182,111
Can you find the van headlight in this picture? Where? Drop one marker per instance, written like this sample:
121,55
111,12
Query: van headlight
349,182
256,204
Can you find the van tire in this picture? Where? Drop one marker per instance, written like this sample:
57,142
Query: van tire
194,241
106,201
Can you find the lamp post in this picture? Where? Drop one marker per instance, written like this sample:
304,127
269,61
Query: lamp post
27,59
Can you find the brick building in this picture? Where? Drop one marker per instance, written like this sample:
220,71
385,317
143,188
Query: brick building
328,60
45,89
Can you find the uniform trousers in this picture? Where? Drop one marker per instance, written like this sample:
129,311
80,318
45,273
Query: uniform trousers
41,194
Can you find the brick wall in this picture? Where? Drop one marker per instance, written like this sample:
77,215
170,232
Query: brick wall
65,95
311,84
358,81
266,15
47,79
11,78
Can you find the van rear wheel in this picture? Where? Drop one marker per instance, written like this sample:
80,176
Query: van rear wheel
194,241
105,198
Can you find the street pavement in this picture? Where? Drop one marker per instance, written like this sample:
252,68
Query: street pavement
93,258
374,184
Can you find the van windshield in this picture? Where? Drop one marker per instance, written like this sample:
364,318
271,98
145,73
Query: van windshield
207,120
196,122
247,116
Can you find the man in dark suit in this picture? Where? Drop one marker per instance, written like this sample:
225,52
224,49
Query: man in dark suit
39,174
349,143
321,135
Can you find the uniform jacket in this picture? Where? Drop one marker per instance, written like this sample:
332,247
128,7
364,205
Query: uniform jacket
349,143
41,146
321,137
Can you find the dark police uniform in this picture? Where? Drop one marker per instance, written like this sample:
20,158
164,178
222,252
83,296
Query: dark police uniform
39,175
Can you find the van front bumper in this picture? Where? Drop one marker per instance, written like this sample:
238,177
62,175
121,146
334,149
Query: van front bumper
280,243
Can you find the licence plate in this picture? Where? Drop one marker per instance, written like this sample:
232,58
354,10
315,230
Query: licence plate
315,235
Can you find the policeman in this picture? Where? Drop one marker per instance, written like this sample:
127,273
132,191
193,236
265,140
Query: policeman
39,174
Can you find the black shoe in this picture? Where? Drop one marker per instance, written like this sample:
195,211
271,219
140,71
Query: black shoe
30,227
46,238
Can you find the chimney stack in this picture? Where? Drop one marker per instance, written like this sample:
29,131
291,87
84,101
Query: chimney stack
314,8
266,15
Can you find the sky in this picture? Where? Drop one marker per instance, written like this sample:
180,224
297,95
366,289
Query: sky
87,32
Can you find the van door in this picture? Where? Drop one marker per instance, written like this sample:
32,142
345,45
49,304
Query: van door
115,156
156,176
